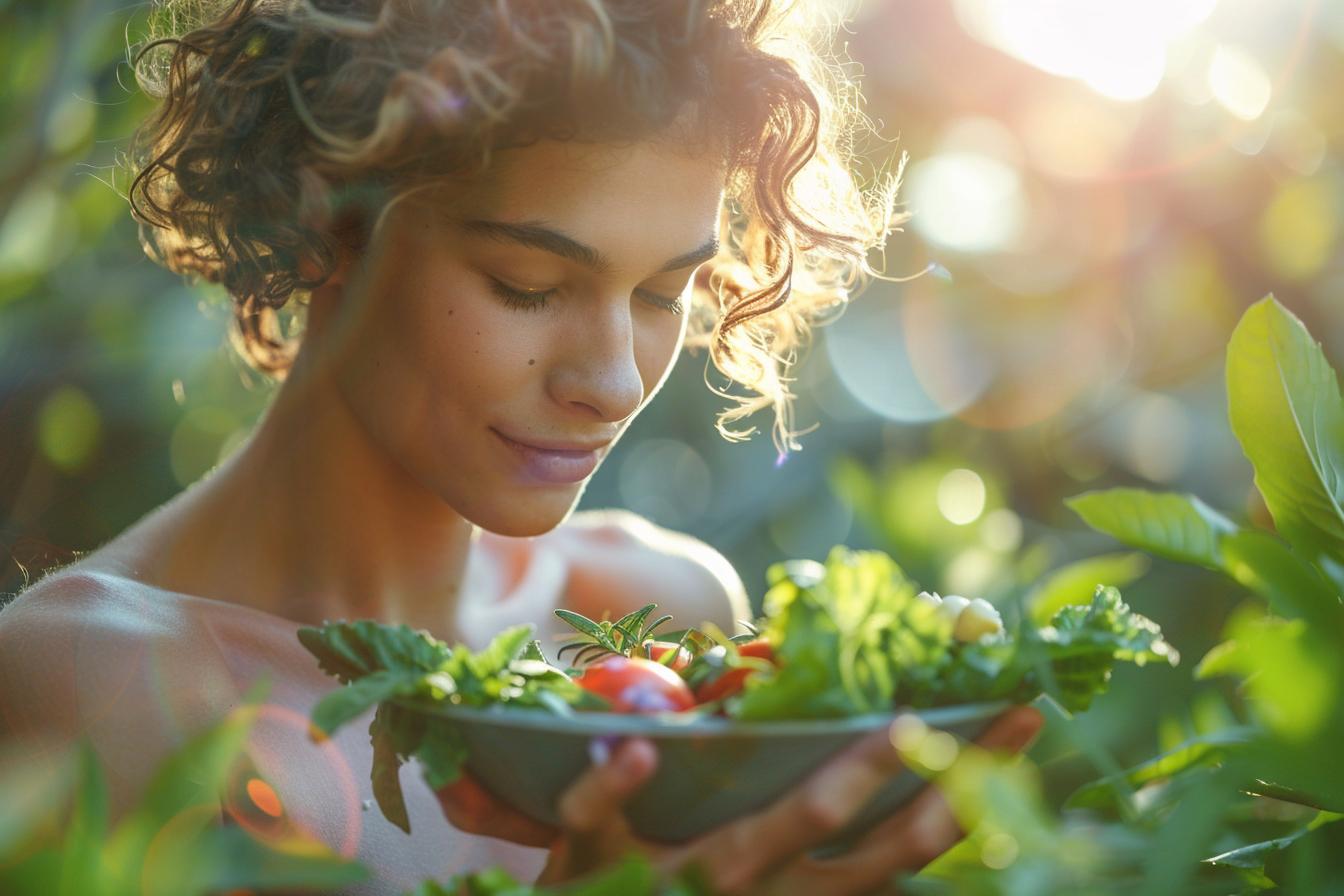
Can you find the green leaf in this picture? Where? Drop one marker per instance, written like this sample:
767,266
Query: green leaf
1076,582
31,795
1291,585
386,768
533,651
1179,527
81,851
1254,855
503,649
354,699
228,859
349,650
441,753
1285,408
583,624
193,776
1207,749
1291,671
635,621
1082,643
1184,528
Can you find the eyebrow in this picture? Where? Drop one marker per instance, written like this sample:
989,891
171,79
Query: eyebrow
536,235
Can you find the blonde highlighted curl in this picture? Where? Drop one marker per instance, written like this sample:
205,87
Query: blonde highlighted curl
286,125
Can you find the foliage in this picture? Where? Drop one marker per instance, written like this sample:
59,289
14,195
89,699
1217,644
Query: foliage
395,669
169,843
852,638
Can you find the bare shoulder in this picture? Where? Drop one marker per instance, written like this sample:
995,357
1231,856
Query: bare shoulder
136,670
620,560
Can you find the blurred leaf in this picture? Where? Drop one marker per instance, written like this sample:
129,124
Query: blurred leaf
30,792
1208,749
1254,855
1285,408
192,777
1292,586
1076,582
1184,528
1179,527
231,860
1292,673
80,853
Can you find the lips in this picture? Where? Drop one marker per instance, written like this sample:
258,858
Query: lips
574,448
550,466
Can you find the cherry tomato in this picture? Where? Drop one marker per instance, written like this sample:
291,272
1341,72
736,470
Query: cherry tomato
633,684
656,650
731,681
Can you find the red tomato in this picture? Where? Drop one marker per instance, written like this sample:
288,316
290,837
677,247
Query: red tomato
637,685
731,682
656,650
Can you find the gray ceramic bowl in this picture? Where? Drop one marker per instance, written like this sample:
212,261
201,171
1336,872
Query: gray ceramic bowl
710,770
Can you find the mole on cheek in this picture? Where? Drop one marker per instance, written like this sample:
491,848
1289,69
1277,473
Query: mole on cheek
531,361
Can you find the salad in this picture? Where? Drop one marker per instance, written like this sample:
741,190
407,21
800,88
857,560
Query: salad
847,637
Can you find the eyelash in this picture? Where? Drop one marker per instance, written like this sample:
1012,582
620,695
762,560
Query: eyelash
535,301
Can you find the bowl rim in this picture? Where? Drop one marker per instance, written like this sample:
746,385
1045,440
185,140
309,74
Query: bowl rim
676,725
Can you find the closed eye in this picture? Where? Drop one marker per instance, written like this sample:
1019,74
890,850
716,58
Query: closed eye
536,299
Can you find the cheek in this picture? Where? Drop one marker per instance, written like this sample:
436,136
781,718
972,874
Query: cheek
656,350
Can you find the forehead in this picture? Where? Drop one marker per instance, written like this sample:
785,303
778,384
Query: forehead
629,200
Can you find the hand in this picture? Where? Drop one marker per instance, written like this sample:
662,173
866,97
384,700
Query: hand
765,854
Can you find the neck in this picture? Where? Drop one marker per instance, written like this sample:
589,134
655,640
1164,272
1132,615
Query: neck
310,521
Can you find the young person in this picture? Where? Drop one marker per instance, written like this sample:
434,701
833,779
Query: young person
500,222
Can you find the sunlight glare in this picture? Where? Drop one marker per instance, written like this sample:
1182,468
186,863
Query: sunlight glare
1118,50
967,201
961,497
1239,83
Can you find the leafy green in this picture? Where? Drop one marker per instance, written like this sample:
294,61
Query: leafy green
1076,582
1179,527
1184,528
400,671
853,639
1285,408
624,636
1207,749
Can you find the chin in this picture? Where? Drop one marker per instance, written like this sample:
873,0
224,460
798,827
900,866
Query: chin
527,513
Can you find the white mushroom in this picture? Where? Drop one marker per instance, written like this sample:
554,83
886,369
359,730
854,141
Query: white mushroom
952,606
977,619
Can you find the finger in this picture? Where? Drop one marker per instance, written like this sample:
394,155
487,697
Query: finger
918,833
469,807
594,832
1013,730
594,801
742,852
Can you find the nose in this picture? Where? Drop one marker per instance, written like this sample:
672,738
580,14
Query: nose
601,374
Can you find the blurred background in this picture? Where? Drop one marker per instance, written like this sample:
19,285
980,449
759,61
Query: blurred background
1099,190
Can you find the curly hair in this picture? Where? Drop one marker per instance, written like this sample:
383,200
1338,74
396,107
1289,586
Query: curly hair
285,125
